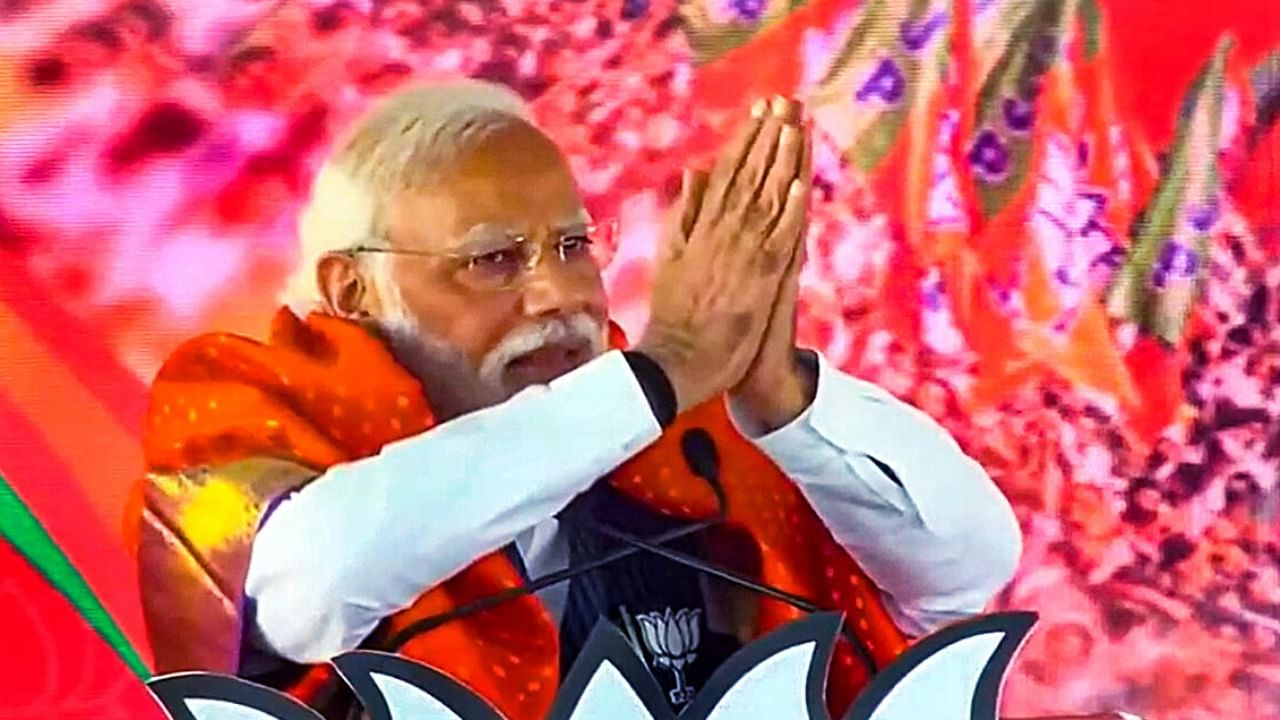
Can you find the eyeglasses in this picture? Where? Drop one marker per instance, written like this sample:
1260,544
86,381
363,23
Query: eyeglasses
494,259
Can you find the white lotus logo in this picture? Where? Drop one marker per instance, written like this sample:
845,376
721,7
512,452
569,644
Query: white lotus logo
673,639
954,674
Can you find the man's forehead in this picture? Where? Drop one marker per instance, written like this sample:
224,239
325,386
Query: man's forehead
438,216
516,181
569,221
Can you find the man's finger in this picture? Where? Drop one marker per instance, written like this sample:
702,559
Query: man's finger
786,167
789,232
802,174
792,277
806,159
780,333
789,289
747,186
789,293
692,190
683,215
727,166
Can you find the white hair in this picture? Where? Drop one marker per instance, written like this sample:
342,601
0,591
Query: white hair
402,143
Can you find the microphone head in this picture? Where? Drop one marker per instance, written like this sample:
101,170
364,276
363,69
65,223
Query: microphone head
701,455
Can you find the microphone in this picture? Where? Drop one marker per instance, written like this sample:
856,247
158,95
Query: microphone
703,459
699,453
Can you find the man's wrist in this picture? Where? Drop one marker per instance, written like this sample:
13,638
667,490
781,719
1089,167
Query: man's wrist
763,407
677,371
656,385
805,362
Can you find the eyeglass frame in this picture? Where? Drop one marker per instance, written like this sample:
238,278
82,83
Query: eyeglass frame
520,240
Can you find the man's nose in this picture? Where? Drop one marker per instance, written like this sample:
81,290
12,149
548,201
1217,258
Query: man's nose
550,289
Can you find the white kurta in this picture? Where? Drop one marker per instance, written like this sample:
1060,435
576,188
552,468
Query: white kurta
368,537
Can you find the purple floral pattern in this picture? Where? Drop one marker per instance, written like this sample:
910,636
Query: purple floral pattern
945,208
886,84
1112,259
916,34
750,10
989,156
1176,262
934,295
1202,218
1095,217
1019,115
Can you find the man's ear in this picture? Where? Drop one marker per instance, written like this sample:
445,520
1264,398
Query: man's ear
342,286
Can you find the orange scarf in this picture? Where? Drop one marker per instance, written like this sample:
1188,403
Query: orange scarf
325,391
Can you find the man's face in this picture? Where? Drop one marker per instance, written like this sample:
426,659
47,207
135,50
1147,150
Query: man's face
472,340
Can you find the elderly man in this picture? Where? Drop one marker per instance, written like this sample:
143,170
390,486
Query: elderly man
456,419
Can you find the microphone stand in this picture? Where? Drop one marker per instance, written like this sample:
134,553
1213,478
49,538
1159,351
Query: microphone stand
703,459
700,455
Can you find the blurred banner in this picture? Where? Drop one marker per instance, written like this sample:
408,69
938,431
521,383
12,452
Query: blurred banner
1054,225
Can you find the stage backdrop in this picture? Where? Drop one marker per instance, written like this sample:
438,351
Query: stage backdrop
1052,224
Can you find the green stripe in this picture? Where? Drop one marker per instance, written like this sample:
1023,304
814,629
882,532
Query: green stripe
710,41
25,533
876,37
1091,20
1192,180
1017,75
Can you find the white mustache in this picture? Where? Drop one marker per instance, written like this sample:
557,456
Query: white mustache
580,327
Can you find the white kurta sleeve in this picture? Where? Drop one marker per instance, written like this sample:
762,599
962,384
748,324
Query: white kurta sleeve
366,538
923,519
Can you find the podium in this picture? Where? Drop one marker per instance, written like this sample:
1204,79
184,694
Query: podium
954,674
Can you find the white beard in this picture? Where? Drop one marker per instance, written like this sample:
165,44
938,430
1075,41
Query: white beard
577,328
452,382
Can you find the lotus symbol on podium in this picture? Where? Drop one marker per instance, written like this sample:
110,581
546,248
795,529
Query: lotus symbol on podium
672,639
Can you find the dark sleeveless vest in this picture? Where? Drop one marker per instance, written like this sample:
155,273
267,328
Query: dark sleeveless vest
657,603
